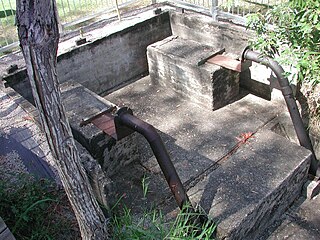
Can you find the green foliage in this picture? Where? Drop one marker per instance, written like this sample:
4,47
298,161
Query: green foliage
294,37
145,185
33,209
152,226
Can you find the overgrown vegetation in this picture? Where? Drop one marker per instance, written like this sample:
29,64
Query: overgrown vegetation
153,226
36,209
294,39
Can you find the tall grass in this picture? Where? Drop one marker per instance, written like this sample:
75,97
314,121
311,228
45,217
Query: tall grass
153,226
35,209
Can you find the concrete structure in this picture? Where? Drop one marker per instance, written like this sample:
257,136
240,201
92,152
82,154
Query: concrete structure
106,61
244,184
204,30
80,103
245,187
180,64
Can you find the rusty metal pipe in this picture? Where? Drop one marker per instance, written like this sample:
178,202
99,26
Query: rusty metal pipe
149,132
287,93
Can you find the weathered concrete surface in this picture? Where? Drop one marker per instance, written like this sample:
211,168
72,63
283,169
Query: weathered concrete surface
254,186
22,139
113,59
80,103
196,137
301,221
203,29
114,54
245,191
174,63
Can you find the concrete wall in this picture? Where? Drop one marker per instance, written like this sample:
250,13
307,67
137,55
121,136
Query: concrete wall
203,29
114,59
107,62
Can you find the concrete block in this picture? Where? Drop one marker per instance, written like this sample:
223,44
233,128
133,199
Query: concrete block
115,58
80,103
105,61
173,63
205,30
312,188
253,187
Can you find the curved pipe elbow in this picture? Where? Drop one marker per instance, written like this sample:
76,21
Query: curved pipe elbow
275,67
145,129
290,101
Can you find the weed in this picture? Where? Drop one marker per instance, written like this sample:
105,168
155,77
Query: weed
35,209
145,185
152,225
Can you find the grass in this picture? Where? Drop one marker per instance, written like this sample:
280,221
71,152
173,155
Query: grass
26,201
153,226
36,209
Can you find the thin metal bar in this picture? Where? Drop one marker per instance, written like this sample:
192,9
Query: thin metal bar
64,12
5,13
74,5
68,4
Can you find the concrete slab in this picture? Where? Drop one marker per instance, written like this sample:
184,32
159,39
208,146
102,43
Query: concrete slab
180,64
254,186
302,221
196,137
244,192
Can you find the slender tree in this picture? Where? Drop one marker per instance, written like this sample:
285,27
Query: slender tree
39,36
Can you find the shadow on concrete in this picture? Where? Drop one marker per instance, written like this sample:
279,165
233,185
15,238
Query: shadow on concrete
20,140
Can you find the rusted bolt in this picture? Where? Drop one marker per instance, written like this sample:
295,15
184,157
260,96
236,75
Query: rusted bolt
81,41
12,68
157,11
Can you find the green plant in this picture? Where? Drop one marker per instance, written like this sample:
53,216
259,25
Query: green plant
145,185
27,202
294,40
152,225
294,37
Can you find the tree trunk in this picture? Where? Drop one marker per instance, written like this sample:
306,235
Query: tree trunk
39,36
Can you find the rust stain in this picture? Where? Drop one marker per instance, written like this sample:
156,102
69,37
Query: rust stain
226,62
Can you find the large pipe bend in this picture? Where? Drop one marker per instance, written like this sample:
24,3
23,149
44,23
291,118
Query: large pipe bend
160,152
287,92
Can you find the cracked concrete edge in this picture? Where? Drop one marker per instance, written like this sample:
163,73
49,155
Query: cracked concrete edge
311,188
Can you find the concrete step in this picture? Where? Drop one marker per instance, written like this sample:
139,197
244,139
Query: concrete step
181,64
253,187
81,103
244,186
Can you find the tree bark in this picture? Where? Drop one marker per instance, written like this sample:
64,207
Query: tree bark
39,36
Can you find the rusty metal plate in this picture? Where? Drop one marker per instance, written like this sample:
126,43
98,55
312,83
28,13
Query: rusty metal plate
106,123
226,62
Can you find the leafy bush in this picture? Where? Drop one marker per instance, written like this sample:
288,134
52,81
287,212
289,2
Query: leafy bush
294,36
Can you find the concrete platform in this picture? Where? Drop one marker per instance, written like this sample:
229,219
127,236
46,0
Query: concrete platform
81,103
180,64
301,221
243,187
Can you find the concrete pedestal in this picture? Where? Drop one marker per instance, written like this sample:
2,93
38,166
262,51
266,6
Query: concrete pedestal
179,64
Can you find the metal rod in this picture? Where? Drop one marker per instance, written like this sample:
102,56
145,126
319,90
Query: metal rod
160,152
287,93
